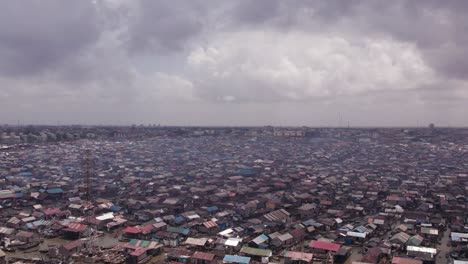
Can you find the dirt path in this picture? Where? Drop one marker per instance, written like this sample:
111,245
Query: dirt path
355,256
444,248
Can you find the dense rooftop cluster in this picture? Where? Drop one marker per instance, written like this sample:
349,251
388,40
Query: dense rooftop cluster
237,195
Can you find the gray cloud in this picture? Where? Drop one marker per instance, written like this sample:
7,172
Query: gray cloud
165,26
270,60
38,35
434,26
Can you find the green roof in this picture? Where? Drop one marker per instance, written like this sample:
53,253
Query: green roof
256,251
133,242
145,243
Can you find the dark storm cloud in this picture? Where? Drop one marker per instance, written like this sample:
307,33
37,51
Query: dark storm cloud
294,14
165,26
204,55
37,35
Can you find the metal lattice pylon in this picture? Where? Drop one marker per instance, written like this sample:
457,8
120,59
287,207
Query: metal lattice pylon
88,170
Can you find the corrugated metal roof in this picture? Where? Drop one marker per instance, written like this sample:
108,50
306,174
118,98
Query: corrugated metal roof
260,239
236,259
400,260
277,215
429,231
307,257
132,230
233,242
196,241
55,191
256,251
203,256
422,249
356,234
285,237
210,224
75,227
6,230
325,246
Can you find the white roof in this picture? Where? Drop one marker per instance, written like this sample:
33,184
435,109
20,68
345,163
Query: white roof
356,234
28,219
233,242
463,235
226,232
196,241
194,216
285,237
459,236
430,231
379,221
105,216
75,206
422,249
399,209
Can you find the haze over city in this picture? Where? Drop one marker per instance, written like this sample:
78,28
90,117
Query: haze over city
223,62
233,132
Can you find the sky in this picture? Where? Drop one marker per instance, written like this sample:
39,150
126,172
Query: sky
234,62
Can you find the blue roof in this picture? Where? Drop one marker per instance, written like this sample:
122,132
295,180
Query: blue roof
179,219
115,208
55,191
38,223
212,208
246,172
178,230
236,259
361,229
309,222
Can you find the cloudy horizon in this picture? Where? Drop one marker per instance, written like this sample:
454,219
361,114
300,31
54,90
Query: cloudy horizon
244,62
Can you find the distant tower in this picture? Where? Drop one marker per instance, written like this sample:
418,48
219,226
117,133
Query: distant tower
88,170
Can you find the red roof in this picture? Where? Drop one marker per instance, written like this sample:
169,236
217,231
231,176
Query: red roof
132,230
73,244
326,202
297,233
179,252
139,252
398,260
25,234
52,211
75,227
203,256
325,246
210,224
147,229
